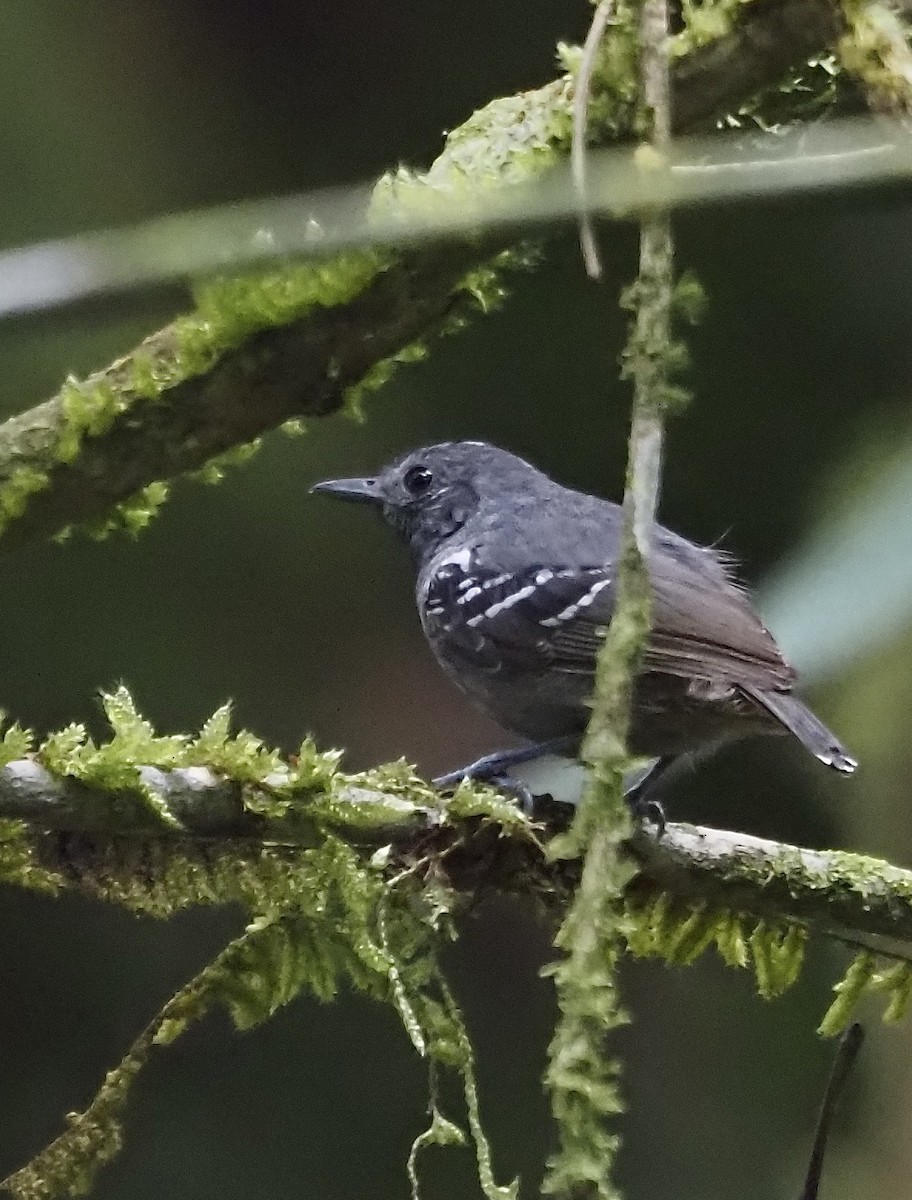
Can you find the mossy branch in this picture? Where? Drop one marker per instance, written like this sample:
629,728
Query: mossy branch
356,880
60,833
268,348
159,823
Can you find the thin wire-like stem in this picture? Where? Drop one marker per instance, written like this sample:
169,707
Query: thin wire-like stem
581,94
839,1073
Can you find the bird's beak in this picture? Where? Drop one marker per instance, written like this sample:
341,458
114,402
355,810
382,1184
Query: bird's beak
365,490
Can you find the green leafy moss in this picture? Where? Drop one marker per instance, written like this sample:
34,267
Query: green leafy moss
613,102
17,490
230,309
876,51
214,470
508,139
665,927
897,983
856,981
322,916
89,409
329,914
16,742
511,139
131,516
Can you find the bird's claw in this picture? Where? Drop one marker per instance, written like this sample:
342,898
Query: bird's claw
515,788
650,812
495,770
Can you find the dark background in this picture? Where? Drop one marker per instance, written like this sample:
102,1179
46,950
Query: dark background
302,612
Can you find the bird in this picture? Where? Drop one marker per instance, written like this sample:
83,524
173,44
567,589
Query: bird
515,583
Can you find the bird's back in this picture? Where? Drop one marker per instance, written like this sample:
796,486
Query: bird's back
516,610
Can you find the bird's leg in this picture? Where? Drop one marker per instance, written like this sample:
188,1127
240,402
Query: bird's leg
495,768
641,794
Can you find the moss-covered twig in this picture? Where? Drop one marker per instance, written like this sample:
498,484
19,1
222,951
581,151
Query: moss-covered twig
60,833
288,344
163,822
858,900
357,878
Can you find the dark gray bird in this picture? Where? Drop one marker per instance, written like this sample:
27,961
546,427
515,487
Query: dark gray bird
515,584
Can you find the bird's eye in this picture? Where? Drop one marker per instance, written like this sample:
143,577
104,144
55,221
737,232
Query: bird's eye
417,480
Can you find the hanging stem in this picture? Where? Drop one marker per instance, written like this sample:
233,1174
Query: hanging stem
582,1077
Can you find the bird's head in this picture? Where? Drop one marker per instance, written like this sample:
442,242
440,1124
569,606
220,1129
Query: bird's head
430,493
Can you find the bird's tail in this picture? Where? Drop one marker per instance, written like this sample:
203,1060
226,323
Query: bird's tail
798,719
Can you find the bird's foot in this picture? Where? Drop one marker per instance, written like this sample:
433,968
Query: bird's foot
650,812
515,788
641,794
496,770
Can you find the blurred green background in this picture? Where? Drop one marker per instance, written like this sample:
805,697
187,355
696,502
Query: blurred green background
302,611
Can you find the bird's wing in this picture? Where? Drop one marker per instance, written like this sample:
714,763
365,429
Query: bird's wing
506,620
703,625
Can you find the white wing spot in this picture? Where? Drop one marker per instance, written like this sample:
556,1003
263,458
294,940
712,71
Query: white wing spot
462,559
497,580
573,610
469,595
501,605
543,577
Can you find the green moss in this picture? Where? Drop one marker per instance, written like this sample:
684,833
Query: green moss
778,954
89,409
876,51
665,927
613,103
214,470
19,864
848,991
327,915
322,918
897,983
230,309
131,516
704,21
511,139
379,375
15,493
679,933
16,742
